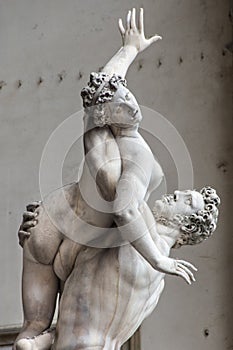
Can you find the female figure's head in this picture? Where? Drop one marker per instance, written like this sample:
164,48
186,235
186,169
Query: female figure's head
109,102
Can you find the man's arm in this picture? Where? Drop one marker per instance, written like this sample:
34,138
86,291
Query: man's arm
135,227
164,263
134,41
103,159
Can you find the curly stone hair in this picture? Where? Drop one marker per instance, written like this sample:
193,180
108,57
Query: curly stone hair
101,88
197,227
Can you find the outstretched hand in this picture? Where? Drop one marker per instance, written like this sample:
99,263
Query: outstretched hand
133,35
177,267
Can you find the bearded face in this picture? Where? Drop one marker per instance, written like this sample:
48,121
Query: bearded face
181,203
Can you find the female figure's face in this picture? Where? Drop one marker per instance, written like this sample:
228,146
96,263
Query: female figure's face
124,109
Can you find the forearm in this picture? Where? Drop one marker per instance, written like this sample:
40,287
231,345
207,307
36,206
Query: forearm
149,218
121,61
135,230
146,246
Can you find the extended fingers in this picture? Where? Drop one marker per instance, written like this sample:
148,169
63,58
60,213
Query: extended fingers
128,20
121,27
154,38
186,263
141,21
133,19
184,268
184,275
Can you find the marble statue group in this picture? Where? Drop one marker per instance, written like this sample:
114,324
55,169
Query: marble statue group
109,270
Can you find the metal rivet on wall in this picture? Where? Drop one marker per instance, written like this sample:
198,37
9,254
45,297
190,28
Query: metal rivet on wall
180,60
19,83
2,83
229,46
40,81
80,75
159,63
230,15
222,166
61,76
224,52
140,65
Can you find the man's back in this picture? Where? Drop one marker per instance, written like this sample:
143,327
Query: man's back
107,296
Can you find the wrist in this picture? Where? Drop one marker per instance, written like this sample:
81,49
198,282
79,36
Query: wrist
130,49
157,259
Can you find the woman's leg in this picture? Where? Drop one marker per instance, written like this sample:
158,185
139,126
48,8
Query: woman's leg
39,282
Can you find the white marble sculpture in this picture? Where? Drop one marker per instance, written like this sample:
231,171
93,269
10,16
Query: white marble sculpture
108,282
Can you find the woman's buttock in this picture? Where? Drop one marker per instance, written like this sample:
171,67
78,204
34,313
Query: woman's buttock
64,214
44,239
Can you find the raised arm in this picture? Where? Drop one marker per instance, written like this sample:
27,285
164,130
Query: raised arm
134,41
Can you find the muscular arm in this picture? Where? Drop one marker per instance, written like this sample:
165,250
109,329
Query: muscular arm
103,159
137,227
